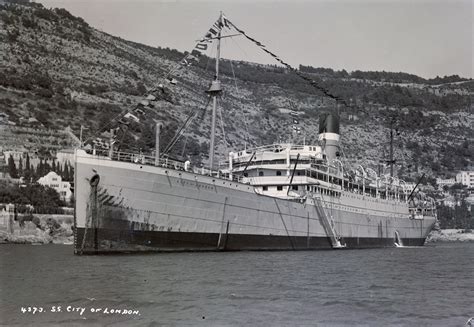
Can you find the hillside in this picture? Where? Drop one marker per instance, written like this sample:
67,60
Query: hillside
60,71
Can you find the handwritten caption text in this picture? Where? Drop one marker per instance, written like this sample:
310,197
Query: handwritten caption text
78,310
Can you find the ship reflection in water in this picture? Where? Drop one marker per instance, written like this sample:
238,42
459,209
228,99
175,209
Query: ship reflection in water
422,286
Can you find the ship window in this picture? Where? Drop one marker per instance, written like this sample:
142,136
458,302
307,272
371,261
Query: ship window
308,188
280,188
260,173
294,187
265,188
298,173
246,175
278,173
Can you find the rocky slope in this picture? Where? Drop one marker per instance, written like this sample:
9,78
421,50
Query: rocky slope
57,69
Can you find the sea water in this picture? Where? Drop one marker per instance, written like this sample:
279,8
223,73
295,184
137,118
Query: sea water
420,286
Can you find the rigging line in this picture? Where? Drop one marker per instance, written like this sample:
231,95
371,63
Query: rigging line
170,72
209,58
344,158
128,110
284,224
242,50
190,89
121,139
175,140
233,75
155,89
179,133
184,146
179,65
237,91
175,137
176,67
121,114
312,82
215,38
103,127
223,131
187,123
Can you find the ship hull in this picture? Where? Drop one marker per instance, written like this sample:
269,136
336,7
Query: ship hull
109,241
128,207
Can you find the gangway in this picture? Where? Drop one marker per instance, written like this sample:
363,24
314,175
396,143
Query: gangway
328,223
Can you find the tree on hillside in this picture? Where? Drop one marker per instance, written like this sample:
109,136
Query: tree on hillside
43,199
59,169
71,172
12,167
40,169
20,168
67,173
27,172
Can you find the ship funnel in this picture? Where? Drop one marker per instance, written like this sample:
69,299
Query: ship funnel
329,135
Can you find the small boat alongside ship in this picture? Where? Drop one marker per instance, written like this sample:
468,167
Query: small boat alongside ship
279,197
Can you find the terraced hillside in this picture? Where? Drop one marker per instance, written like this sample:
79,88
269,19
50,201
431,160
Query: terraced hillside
59,71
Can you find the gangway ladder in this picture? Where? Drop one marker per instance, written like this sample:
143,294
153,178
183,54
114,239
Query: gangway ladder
328,223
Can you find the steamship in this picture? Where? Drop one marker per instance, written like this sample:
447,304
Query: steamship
282,196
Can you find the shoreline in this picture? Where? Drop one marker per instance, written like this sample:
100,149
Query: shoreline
450,236
40,237
48,229
64,236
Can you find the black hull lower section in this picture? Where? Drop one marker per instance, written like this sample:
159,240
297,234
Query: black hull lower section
107,241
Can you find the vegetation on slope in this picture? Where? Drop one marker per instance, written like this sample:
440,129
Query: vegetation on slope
61,71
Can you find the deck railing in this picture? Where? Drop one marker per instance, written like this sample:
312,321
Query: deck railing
143,159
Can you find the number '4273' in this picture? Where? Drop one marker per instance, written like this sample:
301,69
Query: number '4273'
31,310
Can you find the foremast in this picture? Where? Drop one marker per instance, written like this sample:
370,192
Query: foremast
214,91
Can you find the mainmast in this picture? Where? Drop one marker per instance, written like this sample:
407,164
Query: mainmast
391,160
391,151
214,91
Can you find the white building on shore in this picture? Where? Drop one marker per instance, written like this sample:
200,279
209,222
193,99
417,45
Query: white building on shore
466,178
445,182
55,181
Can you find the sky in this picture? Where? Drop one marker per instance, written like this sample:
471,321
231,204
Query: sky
422,37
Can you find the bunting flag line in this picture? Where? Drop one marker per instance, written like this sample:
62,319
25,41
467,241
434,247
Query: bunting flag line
161,92
203,44
312,82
